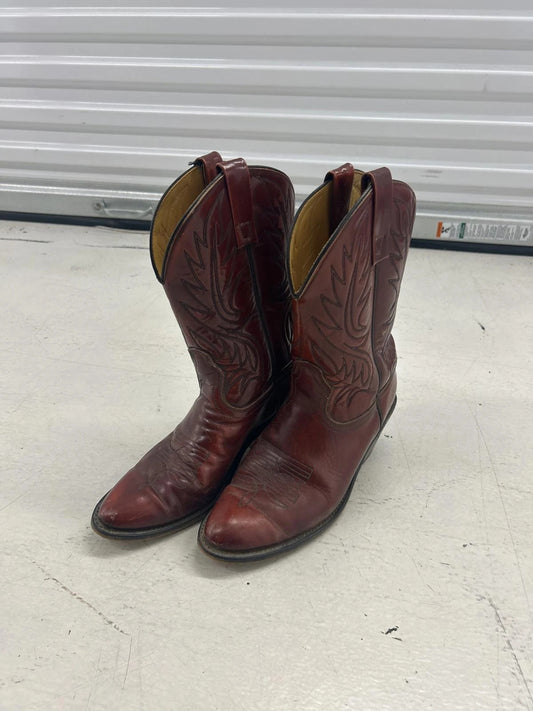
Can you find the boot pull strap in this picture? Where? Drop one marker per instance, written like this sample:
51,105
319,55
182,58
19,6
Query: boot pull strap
341,190
237,178
381,182
208,163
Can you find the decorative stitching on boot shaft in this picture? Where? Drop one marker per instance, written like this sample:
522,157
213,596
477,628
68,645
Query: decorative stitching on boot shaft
341,337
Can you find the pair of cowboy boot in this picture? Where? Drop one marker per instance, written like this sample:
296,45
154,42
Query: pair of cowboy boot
268,454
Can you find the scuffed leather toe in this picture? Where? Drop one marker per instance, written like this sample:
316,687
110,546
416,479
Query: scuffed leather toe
235,527
130,507
140,512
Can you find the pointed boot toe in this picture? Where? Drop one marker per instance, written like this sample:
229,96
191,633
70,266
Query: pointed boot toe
129,510
124,512
237,531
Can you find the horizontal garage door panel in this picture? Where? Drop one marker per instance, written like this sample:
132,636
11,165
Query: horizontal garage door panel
106,105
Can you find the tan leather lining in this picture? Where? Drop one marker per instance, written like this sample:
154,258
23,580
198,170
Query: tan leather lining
311,230
171,209
310,233
356,188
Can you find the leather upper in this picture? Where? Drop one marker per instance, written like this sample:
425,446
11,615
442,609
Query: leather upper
224,275
343,385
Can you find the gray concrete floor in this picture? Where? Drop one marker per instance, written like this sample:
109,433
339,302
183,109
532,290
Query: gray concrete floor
418,597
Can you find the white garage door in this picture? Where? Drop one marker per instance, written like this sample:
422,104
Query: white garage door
102,106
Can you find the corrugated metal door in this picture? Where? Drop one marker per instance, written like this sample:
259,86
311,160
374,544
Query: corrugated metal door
102,106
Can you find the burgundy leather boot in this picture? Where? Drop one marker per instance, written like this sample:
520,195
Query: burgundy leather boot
347,254
218,245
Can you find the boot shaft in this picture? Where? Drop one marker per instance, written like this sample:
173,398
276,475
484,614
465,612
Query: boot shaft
388,278
174,204
273,201
218,244
347,254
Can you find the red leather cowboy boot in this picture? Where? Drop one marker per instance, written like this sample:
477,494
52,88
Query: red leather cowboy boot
218,244
347,254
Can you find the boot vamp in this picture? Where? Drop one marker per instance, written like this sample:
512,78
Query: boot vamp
295,475
182,474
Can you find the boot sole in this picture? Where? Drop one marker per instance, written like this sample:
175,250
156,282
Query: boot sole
279,548
139,534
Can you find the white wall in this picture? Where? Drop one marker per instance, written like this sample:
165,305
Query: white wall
101,107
